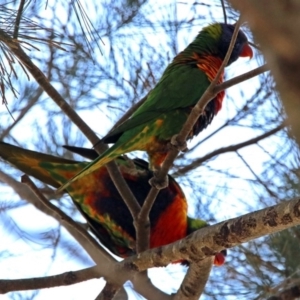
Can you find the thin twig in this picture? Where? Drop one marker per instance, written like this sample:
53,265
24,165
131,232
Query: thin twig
265,185
18,19
255,46
208,94
22,113
224,11
122,187
232,148
238,79
143,220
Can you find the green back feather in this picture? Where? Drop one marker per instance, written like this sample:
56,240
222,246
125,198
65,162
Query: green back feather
171,91
206,42
195,224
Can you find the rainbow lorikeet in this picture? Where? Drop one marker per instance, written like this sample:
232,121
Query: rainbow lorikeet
100,203
167,107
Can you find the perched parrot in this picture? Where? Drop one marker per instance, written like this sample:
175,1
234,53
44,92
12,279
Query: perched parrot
101,205
167,107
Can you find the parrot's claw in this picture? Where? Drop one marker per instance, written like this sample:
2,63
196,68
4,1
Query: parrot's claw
158,183
180,146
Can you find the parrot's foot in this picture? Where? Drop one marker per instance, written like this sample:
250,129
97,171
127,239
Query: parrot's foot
180,146
220,258
159,183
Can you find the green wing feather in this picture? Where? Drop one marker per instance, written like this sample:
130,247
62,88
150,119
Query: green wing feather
174,85
29,162
86,193
54,171
181,86
154,108
195,224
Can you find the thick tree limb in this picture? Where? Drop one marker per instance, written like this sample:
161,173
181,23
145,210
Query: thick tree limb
142,284
195,280
121,294
210,240
275,27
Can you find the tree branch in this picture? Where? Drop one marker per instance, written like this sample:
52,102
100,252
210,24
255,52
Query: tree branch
209,240
74,117
108,292
113,169
238,79
142,284
180,139
18,19
64,279
105,263
195,280
143,222
290,293
275,27
232,148
212,239
97,253
49,209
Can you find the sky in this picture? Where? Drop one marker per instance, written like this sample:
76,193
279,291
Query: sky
42,261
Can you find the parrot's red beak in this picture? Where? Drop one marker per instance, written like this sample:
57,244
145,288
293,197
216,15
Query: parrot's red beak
246,51
220,258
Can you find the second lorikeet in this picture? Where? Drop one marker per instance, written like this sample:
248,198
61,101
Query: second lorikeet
101,205
166,109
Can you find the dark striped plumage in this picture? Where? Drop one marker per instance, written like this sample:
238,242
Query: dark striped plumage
100,203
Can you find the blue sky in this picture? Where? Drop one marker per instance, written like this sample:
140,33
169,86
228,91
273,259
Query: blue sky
26,258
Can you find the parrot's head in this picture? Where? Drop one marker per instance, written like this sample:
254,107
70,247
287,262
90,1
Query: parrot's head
217,37
241,46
